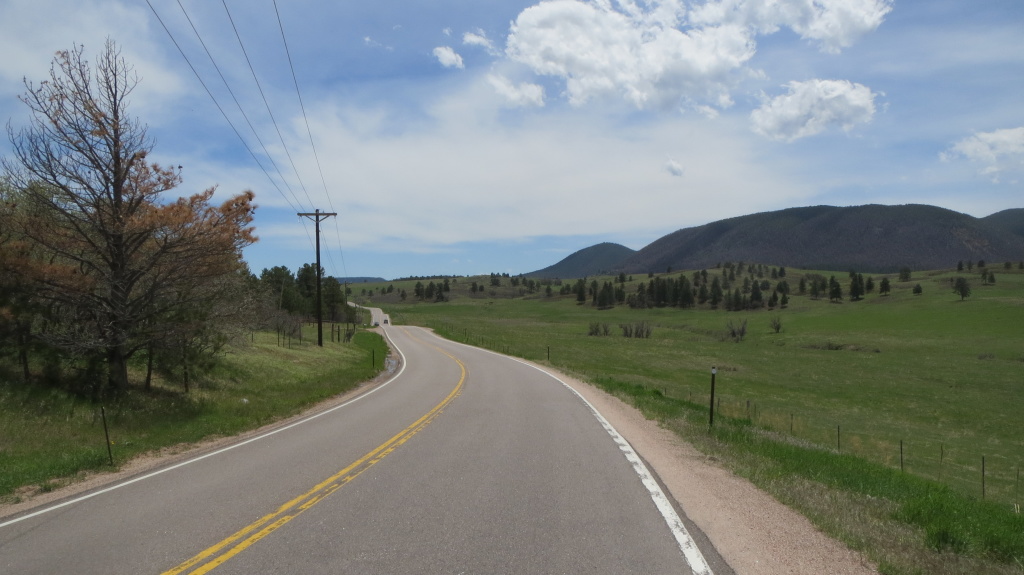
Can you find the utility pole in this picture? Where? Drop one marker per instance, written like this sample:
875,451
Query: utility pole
317,216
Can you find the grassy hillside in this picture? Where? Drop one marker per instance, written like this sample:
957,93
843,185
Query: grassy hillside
939,373
47,437
854,379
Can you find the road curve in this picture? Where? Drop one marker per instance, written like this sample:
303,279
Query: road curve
464,462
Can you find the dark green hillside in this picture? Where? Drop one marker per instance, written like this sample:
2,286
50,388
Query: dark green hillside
1009,220
360,280
871,238
587,262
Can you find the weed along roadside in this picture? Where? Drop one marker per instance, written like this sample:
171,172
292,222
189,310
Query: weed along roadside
872,416
49,438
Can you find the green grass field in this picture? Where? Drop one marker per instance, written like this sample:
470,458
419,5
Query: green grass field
814,414
943,376
48,437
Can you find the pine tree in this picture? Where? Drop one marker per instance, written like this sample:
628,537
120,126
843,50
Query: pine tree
129,268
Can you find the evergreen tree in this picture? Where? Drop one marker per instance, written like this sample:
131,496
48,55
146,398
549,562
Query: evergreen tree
835,291
716,293
127,269
856,287
962,287
606,297
756,299
738,302
686,299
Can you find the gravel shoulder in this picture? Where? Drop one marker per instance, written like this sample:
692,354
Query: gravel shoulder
752,531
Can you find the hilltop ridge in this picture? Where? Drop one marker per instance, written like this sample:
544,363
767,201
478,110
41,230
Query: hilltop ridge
872,238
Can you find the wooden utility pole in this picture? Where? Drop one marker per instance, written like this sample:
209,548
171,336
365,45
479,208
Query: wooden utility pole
317,216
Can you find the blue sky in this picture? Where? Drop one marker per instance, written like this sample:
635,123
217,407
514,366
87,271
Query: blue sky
464,137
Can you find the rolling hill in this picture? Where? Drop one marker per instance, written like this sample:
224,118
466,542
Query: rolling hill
1009,220
601,258
869,238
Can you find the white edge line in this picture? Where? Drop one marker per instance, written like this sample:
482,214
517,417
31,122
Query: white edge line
212,453
687,545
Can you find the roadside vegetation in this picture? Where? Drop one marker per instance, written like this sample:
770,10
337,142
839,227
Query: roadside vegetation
49,437
872,414
121,301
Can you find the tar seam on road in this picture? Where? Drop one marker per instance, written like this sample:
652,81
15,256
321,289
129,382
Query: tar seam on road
688,547
214,556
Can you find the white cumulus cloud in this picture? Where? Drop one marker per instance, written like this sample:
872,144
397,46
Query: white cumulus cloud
832,24
995,152
638,53
448,57
813,106
480,39
524,94
657,54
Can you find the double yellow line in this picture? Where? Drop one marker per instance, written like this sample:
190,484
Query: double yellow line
211,558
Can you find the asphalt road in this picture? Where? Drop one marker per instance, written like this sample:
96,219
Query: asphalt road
464,462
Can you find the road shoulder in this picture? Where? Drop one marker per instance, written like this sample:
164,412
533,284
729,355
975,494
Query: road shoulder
753,532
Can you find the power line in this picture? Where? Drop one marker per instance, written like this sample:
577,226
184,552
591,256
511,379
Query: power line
237,103
309,132
217,104
265,102
273,119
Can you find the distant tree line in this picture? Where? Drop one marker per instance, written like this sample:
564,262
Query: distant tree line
742,286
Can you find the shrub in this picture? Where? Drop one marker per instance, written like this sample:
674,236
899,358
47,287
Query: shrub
737,332
639,329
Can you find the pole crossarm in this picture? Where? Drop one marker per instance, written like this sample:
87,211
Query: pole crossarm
318,216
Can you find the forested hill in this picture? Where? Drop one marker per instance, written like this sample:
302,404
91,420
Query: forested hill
871,238
360,280
602,258
1009,220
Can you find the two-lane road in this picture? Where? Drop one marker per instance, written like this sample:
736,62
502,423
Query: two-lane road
464,462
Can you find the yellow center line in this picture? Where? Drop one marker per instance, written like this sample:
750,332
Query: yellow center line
210,558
